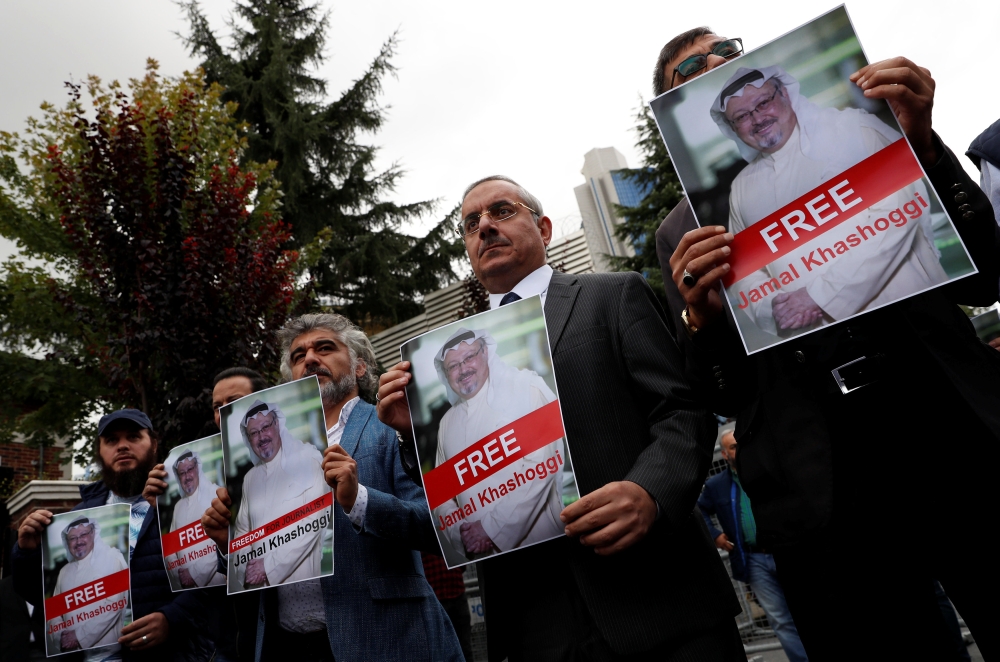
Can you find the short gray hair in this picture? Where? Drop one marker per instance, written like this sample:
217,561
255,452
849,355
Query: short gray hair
357,343
526,197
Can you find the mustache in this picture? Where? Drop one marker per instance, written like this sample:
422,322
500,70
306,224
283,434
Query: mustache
491,241
765,124
318,370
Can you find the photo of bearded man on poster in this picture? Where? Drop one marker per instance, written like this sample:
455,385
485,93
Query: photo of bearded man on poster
197,492
90,559
792,146
287,473
486,394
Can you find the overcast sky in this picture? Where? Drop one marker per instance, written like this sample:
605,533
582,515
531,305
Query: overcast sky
519,88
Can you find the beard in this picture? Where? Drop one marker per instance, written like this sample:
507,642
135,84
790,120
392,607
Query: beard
336,391
129,482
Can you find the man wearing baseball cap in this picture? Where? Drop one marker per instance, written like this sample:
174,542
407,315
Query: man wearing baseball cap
165,625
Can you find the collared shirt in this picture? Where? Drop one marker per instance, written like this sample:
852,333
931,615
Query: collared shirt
300,605
333,436
747,524
537,282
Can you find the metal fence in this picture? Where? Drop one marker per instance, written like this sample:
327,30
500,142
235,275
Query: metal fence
476,612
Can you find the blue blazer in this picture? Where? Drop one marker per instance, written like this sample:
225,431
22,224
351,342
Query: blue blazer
378,604
719,499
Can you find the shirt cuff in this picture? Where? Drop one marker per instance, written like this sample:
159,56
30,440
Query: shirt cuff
357,514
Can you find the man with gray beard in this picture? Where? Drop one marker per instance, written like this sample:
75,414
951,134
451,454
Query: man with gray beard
377,605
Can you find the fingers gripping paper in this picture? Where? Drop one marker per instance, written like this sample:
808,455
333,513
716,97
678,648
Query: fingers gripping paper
85,571
489,430
831,212
281,530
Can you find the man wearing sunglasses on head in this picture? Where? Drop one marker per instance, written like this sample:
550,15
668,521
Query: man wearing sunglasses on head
816,460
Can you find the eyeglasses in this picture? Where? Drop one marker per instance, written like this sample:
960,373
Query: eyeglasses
453,368
83,536
498,211
762,107
690,65
254,435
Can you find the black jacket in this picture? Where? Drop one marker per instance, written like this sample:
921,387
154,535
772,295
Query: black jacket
629,415
785,447
192,615
986,147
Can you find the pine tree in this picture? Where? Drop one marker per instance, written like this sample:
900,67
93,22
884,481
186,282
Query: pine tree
640,223
370,271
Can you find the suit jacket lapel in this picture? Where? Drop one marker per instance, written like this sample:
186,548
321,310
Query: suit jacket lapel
559,301
355,426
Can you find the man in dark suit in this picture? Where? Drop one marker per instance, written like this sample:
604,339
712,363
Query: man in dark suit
814,460
638,577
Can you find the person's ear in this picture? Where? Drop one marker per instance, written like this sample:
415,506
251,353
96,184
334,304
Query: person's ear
361,369
545,228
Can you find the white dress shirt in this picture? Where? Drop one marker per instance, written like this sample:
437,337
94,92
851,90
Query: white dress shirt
537,282
300,606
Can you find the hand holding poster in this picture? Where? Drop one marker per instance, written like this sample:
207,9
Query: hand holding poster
485,411
86,578
831,211
194,472
282,526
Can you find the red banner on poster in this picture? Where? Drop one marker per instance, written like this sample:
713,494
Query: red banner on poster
81,596
822,209
493,452
182,538
311,508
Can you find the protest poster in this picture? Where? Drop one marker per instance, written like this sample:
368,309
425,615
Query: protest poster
195,471
490,438
987,325
832,214
281,530
85,577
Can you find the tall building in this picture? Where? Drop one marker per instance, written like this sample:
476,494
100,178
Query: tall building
605,187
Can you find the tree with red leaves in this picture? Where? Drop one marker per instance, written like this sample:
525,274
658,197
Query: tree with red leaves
162,259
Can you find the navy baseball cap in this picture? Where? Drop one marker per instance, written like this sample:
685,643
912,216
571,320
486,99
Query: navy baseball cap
133,415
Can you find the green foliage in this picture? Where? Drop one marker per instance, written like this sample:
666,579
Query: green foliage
164,259
640,223
370,270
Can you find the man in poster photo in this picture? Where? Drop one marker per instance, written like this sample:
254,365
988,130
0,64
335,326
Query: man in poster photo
197,492
792,146
486,394
287,473
90,558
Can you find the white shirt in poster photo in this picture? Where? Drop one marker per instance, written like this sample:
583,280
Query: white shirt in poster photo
90,559
300,605
200,567
287,473
487,394
863,272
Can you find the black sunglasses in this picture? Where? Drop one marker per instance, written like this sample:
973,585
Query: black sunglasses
726,49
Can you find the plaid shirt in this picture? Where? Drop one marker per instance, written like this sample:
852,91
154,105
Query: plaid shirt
447,584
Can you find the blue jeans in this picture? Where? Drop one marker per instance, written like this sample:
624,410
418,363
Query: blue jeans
764,583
